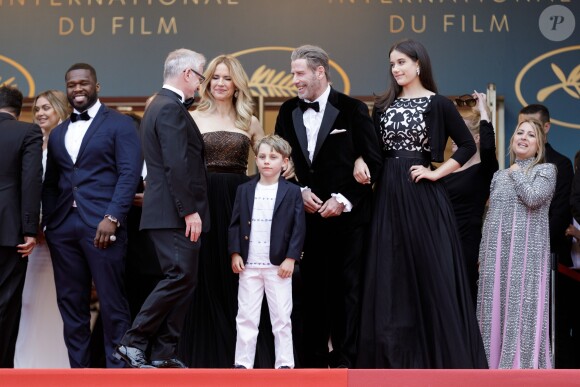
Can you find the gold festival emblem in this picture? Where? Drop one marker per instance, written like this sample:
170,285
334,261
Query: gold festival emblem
266,81
14,74
546,69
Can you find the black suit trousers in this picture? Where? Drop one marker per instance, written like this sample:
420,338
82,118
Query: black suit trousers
331,278
12,273
158,325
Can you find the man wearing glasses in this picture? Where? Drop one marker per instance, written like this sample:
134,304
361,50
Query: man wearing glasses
175,212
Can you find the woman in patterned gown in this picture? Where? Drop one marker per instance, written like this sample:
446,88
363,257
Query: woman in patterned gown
513,295
224,117
417,310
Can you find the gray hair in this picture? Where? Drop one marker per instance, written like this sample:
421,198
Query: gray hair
179,60
315,56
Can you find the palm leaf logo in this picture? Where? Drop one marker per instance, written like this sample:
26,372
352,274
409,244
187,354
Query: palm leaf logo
267,82
7,82
570,84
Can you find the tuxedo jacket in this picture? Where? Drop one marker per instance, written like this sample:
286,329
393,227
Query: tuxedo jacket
176,172
346,132
20,179
104,178
560,212
288,223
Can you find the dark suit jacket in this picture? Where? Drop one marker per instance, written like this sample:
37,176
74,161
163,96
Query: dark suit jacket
575,197
20,179
560,214
288,223
176,172
331,169
104,178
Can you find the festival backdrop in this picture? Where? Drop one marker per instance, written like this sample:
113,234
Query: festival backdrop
530,49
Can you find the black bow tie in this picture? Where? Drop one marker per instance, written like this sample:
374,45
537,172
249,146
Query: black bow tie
84,116
188,103
308,105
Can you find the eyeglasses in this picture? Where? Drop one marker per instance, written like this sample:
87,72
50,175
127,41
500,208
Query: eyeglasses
465,100
201,77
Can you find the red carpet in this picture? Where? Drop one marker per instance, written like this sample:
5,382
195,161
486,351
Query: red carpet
294,378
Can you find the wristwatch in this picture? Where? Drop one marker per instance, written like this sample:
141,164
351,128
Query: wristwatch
113,219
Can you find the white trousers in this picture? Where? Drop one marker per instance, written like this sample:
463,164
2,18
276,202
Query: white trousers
252,285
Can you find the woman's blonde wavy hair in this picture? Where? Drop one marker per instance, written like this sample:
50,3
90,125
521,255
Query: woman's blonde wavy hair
243,103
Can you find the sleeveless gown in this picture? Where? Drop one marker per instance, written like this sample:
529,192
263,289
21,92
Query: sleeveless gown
209,336
417,310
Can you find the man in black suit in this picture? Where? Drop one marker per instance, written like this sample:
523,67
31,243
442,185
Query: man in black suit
328,131
20,190
175,212
560,218
92,170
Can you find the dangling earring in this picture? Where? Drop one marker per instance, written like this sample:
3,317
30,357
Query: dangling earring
418,71
237,92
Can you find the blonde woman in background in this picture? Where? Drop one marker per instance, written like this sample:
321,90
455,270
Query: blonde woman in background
468,186
40,342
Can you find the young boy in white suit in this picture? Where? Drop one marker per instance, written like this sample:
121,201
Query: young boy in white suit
266,237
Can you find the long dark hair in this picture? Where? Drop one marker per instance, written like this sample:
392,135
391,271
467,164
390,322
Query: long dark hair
417,52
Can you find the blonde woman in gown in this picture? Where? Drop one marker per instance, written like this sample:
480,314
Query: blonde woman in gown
40,342
224,117
514,257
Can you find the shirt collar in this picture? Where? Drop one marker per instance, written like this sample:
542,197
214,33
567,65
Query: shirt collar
323,99
93,110
175,90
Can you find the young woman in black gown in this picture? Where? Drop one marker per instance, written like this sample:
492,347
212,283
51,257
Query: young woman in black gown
417,310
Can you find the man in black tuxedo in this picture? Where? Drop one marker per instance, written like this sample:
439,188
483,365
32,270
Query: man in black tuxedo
328,131
92,170
560,218
175,212
20,190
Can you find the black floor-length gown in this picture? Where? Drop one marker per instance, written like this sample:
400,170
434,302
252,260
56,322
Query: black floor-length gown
417,311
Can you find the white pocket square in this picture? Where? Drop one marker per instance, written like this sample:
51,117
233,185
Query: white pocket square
336,131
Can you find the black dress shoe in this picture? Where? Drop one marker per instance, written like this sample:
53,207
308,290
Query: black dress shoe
169,363
134,357
239,367
283,368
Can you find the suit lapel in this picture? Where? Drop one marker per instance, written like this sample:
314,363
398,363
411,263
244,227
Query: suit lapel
251,193
99,118
330,114
300,129
282,189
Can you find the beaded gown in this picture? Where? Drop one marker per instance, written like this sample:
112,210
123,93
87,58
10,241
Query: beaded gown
513,294
209,336
417,310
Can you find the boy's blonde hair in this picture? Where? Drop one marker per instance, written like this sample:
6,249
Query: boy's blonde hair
276,142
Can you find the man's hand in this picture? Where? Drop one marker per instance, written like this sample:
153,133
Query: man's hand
138,200
289,172
105,230
193,227
26,248
311,202
237,263
331,207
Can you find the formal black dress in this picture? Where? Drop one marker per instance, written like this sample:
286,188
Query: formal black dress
468,191
209,336
417,311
